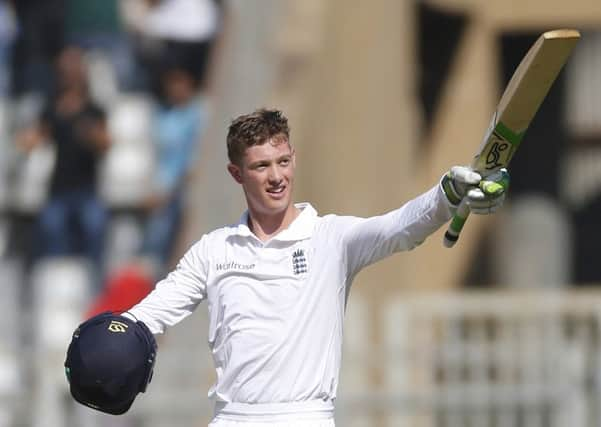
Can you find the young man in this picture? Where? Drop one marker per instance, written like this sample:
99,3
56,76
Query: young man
276,283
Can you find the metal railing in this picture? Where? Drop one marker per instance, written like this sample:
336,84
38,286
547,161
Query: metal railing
507,359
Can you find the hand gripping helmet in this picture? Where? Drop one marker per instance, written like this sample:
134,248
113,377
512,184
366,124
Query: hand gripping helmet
109,361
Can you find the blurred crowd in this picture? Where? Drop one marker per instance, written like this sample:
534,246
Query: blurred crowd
103,105
82,79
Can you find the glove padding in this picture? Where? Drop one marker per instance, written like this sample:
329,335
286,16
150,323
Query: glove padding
483,196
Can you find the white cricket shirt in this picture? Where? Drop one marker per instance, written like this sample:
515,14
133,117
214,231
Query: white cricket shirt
276,308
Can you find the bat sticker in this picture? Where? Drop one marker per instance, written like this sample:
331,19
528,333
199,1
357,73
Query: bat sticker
493,158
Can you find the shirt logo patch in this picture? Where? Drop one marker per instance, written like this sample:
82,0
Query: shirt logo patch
299,262
232,265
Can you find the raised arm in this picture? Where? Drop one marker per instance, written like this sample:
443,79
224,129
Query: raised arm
367,240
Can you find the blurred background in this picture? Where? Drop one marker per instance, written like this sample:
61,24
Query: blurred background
113,115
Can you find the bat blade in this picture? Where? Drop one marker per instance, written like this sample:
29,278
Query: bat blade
522,98
518,105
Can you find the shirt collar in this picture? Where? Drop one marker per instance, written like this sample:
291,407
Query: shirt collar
301,228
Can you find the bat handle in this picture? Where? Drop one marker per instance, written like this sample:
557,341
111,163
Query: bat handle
452,234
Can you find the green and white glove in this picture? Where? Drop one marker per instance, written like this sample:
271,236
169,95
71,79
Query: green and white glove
483,196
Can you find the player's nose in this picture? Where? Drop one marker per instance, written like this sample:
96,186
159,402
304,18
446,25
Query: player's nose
275,175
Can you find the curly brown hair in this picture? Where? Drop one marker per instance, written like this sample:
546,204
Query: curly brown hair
255,128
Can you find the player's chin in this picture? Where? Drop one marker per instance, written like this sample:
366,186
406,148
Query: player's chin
278,204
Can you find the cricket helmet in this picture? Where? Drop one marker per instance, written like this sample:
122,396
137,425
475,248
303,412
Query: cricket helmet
109,361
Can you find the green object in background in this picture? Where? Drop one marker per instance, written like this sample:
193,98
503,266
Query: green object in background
92,17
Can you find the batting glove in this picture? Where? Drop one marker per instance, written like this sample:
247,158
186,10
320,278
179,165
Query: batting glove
483,196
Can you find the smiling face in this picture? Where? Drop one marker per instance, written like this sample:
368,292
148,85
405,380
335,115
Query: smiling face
266,173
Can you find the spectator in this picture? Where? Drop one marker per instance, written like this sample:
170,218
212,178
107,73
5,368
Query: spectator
97,25
184,30
39,39
73,220
178,124
8,29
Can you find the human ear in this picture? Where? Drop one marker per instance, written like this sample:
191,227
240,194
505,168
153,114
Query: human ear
235,172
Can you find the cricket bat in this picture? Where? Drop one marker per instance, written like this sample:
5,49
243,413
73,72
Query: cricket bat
519,103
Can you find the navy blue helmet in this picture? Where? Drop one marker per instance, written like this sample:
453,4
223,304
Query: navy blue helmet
109,361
